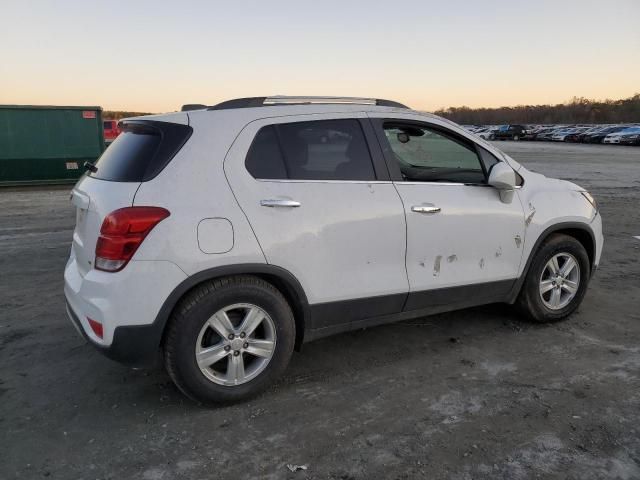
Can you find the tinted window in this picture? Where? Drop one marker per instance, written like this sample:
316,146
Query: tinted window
141,151
428,155
127,157
320,150
265,157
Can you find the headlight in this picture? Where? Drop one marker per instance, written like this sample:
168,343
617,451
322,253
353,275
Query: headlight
590,199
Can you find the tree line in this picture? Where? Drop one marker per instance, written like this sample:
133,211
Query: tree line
577,110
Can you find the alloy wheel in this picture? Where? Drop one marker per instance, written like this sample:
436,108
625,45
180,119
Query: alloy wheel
236,344
559,281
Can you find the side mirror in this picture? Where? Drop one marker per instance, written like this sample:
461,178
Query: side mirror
503,178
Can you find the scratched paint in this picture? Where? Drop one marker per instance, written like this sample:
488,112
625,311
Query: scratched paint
481,263
436,265
452,258
527,220
518,240
499,252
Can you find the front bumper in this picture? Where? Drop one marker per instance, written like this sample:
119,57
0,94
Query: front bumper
598,237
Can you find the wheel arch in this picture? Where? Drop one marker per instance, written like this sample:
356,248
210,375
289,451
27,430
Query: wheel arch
582,232
280,278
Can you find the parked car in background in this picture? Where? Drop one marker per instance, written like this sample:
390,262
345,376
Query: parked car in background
629,136
547,136
559,134
509,132
530,132
539,133
569,135
615,136
599,136
111,130
224,290
486,133
579,137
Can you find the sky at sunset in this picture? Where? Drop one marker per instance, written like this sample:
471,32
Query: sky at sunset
154,56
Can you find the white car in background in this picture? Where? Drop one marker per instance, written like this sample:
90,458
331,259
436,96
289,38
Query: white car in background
615,138
220,239
486,133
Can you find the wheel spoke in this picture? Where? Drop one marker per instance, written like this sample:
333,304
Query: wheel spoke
211,355
555,297
221,324
545,286
235,369
569,286
260,348
251,320
553,265
569,265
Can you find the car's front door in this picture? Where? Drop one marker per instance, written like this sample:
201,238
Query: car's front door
463,242
322,206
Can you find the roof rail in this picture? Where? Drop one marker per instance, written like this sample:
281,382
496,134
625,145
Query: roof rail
250,102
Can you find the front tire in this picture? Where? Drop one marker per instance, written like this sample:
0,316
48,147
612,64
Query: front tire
228,339
556,281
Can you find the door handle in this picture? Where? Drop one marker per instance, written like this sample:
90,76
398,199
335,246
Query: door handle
428,208
279,203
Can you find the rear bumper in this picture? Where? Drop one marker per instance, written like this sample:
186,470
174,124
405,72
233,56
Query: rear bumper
126,303
134,346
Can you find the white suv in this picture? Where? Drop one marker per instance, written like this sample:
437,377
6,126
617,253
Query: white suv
222,238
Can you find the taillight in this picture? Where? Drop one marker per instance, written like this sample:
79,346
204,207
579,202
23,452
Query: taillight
121,234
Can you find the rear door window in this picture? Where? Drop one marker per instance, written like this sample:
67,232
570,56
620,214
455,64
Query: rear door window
317,150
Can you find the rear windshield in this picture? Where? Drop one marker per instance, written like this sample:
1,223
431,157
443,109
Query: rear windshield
141,151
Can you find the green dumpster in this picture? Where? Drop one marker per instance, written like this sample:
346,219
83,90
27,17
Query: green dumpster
47,145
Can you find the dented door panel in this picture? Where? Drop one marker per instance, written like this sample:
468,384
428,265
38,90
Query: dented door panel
474,238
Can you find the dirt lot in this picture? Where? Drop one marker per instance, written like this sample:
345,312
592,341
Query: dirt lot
473,394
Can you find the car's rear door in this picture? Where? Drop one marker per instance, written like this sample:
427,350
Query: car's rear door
463,242
322,206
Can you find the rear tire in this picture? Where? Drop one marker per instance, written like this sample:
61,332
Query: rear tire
549,293
211,351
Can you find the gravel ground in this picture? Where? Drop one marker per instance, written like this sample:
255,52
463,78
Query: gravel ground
478,393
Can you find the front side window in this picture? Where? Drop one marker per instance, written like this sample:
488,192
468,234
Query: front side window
317,150
427,155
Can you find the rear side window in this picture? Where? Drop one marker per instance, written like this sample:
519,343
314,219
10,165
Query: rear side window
265,158
141,151
318,150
